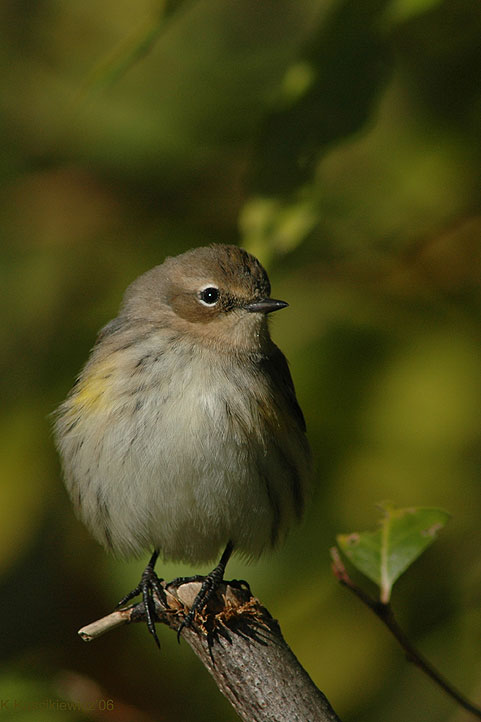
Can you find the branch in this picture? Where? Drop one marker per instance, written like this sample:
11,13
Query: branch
242,647
386,615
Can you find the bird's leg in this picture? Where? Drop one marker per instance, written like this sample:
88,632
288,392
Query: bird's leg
149,583
208,588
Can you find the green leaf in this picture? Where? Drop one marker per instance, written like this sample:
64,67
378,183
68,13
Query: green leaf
328,94
400,11
383,555
132,49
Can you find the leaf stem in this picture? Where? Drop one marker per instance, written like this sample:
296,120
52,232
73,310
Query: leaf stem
385,613
385,582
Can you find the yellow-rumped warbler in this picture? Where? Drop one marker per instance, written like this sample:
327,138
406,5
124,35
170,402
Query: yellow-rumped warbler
182,433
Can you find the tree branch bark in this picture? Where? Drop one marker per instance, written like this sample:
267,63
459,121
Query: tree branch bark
242,647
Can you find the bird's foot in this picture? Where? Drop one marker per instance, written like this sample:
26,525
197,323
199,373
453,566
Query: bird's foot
178,581
149,585
210,584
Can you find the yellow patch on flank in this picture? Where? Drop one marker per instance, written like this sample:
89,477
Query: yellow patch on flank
91,389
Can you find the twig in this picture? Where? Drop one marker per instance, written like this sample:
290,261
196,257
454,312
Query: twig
242,647
385,613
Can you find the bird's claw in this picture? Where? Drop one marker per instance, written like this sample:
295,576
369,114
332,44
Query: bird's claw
210,583
149,585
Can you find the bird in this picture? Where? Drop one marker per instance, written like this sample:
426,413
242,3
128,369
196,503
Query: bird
182,435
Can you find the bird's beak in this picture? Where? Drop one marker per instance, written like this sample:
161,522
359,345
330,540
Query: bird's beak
265,305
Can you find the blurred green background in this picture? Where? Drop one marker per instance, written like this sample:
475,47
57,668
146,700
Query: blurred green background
340,141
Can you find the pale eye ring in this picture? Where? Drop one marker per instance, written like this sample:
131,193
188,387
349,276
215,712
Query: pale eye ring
209,296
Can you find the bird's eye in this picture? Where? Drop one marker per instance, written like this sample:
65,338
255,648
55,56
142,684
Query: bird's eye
209,296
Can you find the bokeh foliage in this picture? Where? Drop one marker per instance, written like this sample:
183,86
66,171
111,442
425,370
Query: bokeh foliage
340,141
